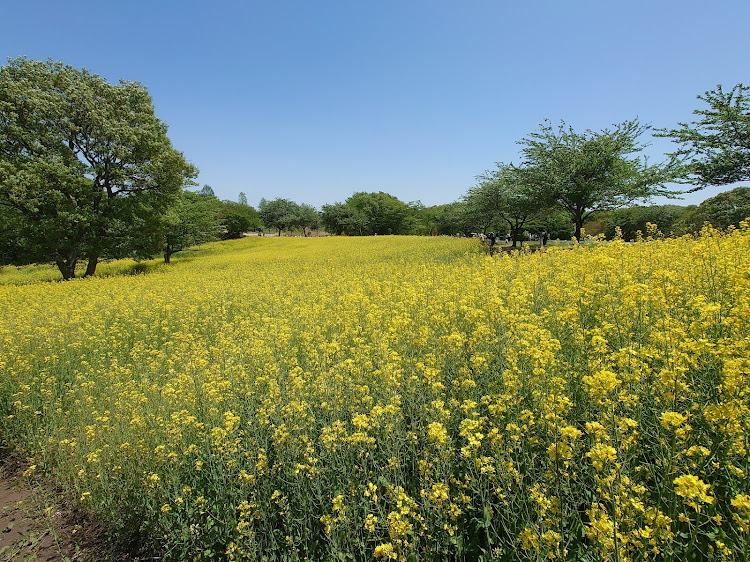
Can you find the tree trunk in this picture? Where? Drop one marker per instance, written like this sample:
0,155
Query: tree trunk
579,226
91,265
67,267
167,256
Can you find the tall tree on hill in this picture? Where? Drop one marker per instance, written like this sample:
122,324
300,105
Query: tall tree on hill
585,173
719,142
83,164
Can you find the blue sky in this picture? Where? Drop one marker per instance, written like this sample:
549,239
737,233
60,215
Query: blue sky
314,100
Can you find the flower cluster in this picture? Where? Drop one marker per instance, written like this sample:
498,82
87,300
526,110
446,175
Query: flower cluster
397,398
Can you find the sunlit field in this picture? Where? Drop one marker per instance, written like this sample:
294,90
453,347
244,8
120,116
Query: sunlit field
395,398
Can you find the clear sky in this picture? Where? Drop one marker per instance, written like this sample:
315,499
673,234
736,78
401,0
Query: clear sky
313,100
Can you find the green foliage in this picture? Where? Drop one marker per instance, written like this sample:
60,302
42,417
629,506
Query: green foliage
481,207
192,221
366,214
242,198
506,195
235,225
383,213
718,143
20,245
283,214
236,218
557,224
86,168
280,214
590,172
333,217
722,210
207,191
449,219
307,217
633,219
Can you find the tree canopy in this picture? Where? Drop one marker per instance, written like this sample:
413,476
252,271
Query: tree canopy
448,219
585,173
333,217
83,165
507,195
280,214
718,143
721,211
364,214
283,214
235,218
631,220
307,217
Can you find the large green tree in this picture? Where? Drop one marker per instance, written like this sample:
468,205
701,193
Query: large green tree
280,214
364,214
507,195
307,217
377,213
84,164
585,173
283,214
333,217
718,143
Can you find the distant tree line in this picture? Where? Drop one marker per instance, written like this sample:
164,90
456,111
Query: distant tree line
367,214
721,211
568,179
87,173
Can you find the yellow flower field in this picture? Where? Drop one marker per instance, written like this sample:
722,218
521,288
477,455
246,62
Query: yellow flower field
397,398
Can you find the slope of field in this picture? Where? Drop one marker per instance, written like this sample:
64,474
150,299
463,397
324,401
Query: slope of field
394,397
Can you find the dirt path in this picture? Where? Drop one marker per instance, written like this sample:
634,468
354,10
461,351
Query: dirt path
34,524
